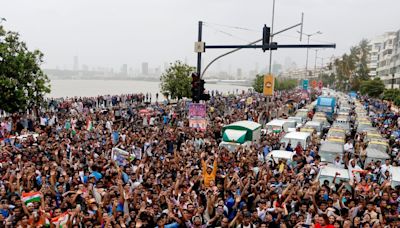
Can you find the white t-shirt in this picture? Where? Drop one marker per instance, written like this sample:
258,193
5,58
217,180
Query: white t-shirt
42,121
348,146
385,168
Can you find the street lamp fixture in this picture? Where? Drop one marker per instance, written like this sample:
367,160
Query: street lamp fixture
308,42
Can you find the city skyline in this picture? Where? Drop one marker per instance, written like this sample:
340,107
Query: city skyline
152,31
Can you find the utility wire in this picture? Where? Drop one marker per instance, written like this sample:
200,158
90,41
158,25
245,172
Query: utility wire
233,27
227,33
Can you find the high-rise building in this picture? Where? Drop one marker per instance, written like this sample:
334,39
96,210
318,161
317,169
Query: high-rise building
76,63
288,63
384,58
374,48
385,54
124,70
239,73
145,68
276,68
85,67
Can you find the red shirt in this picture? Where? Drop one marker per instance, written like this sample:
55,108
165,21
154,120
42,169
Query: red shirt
317,225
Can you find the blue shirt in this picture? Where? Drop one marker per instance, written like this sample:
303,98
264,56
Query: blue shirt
266,150
115,135
171,225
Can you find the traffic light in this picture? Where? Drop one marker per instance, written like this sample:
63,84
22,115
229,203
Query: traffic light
266,37
195,87
203,96
198,89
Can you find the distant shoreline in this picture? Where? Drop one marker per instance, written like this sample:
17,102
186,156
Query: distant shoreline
104,79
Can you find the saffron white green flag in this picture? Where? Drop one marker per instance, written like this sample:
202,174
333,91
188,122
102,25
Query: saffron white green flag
61,219
89,125
31,197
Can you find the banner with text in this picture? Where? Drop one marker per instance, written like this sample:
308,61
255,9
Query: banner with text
198,124
197,110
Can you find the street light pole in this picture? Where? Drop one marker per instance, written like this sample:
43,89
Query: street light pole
392,81
315,64
308,42
272,36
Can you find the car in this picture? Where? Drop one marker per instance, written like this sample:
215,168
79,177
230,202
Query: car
304,138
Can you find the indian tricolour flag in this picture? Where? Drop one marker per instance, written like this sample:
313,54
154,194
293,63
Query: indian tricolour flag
31,197
61,219
89,125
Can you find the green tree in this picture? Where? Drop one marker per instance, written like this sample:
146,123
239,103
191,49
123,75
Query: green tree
327,79
258,83
285,84
363,50
176,80
352,69
391,94
23,84
372,88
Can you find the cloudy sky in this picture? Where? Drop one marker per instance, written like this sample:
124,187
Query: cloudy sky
110,33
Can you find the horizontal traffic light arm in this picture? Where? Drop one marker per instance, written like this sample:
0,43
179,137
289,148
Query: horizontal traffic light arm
272,45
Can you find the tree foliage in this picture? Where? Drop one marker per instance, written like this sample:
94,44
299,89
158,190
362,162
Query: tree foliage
372,88
392,95
176,80
280,84
351,69
327,79
23,84
258,83
285,84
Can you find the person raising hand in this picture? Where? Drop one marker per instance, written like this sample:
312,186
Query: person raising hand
209,171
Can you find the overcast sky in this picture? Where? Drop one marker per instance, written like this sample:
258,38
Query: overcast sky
113,32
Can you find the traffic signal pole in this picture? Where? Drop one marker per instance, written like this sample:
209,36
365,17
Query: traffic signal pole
252,44
201,47
272,46
199,53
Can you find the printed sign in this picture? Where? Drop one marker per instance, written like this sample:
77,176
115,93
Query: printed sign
268,85
314,84
305,84
197,110
198,124
122,157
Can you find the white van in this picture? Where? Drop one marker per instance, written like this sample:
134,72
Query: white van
375,155
316,125
295,137
330,150
299,120
232,146
302,113
280,155
328,173
279,125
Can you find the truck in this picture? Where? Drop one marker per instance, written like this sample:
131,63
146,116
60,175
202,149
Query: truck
241,133
327,105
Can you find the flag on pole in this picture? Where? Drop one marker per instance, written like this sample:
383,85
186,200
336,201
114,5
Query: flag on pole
31,197
61,220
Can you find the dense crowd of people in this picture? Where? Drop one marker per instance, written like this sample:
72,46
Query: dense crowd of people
58,168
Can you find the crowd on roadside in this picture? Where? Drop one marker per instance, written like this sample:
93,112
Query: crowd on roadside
60,170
